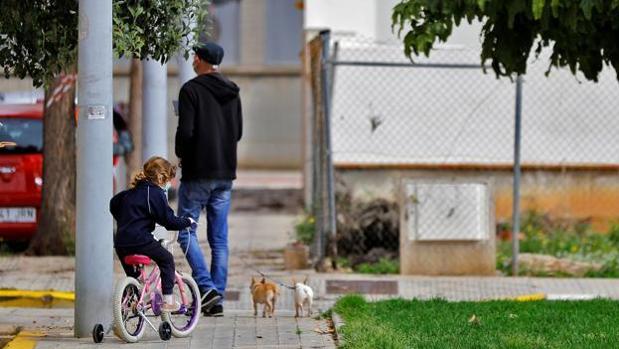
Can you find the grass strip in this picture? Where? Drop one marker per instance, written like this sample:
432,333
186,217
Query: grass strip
437,324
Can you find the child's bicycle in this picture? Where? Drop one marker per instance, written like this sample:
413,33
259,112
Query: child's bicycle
135,300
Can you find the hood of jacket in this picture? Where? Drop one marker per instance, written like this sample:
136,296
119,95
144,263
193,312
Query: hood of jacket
221,88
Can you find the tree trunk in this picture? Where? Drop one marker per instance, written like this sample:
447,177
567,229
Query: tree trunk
134,159
56,228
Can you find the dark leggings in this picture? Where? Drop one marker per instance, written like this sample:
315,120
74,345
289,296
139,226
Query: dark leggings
157,253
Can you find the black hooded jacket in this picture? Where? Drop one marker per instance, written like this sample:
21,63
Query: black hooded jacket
210,125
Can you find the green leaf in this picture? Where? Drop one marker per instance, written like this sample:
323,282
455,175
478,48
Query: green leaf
538,8
587,7
481,4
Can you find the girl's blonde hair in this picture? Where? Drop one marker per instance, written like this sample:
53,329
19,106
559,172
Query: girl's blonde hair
156,170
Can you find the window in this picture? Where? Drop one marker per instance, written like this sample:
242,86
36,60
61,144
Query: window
284,32
225,19
21,135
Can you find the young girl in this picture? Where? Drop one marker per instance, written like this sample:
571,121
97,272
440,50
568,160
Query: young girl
137,210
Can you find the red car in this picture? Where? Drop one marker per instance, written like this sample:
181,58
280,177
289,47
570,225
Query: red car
21,169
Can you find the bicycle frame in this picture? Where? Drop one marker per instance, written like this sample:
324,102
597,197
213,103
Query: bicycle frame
155,279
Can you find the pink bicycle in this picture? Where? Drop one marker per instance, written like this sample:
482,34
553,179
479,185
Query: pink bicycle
136,300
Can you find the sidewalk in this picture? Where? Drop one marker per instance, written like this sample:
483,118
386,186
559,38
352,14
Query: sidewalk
256,239
238,329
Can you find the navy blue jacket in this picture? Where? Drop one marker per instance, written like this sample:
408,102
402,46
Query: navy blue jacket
137,210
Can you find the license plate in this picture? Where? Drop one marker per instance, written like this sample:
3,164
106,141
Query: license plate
18,215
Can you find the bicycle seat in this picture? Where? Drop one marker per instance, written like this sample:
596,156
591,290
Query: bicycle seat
137,259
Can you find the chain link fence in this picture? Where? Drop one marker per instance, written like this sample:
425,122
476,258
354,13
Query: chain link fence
379,120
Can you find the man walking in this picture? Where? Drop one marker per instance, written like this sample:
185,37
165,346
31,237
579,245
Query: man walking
209,127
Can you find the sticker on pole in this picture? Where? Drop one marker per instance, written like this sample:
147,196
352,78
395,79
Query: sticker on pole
96,112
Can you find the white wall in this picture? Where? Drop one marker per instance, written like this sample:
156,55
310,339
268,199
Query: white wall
384,9
342,16
371,18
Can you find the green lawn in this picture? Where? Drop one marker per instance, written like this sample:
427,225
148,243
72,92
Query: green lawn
497,324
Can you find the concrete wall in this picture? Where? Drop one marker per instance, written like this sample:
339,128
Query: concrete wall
447,257
451,256
571,194
342,15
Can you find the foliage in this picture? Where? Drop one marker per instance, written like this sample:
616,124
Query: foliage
582,33
572,240
39,38
156,29
383,266
305,229
398,323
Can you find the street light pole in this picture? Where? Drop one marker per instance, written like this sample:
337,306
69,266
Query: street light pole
185,69
94,247
155,110
516,190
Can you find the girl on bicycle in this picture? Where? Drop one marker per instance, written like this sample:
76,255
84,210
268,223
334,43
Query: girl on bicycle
136,211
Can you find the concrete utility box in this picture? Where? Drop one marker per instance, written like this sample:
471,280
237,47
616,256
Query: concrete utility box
447,227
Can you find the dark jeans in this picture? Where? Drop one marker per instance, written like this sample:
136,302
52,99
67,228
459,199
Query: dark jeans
157,253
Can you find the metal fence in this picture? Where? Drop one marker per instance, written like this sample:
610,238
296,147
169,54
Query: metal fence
378,118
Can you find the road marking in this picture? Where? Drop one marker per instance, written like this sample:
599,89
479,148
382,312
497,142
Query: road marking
531,297
24,340
62,295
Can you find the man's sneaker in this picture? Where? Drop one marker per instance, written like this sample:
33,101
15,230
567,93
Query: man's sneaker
215,311
209,299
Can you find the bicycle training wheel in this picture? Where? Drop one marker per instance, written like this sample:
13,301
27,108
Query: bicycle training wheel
128,324
185,320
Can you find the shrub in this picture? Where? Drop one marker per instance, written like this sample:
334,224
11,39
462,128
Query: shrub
383,266
562,238
305,229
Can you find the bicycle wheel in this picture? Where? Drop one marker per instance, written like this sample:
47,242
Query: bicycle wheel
128,325
185,320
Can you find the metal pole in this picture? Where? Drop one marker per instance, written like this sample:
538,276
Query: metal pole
318,202
185,66
516,193
154,108
330,223
185,69
332,65
316,186
94,276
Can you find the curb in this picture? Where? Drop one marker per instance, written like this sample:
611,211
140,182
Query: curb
554,297
36,299
530,297
24,340
338,322
62,295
